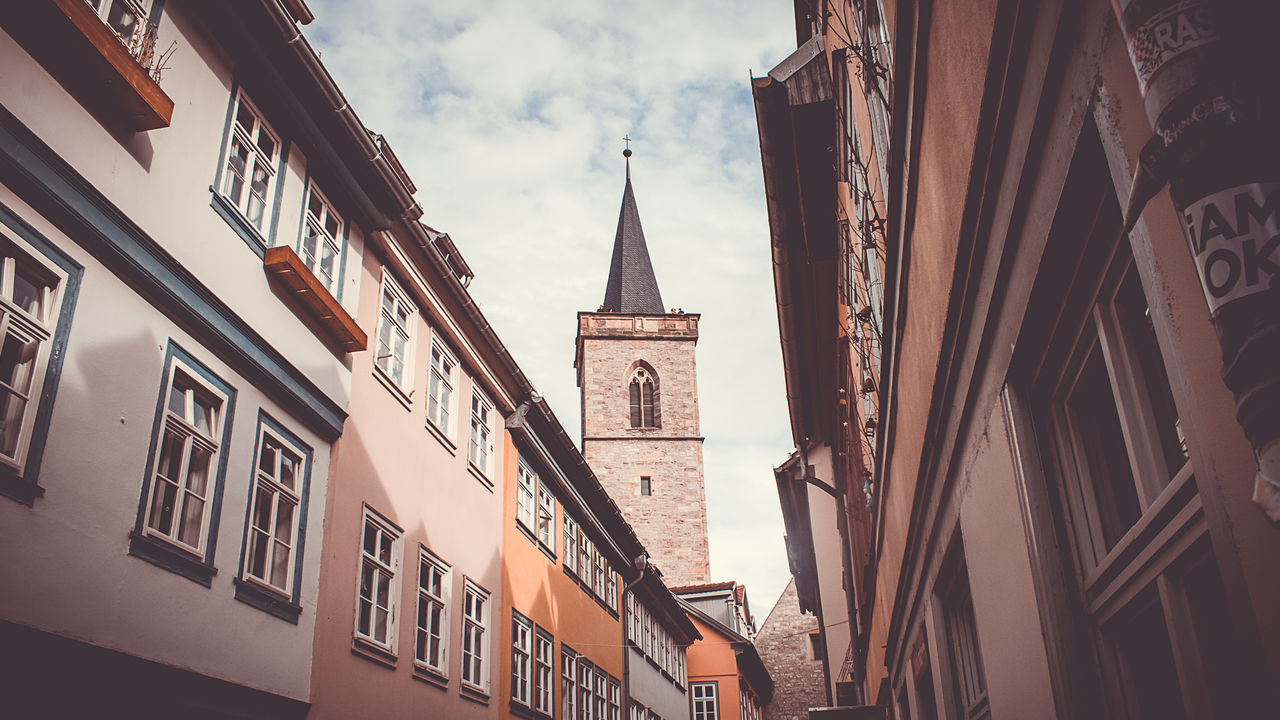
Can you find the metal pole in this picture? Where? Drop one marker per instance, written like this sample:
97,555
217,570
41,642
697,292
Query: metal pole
1210,94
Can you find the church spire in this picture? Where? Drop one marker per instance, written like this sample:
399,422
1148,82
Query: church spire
632,287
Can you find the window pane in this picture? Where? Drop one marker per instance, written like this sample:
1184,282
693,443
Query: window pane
192,520
28,292
162,501
280,566
1146,661
198,471
267,456
1232,686
1097,425
284,520
237,163
1135,316
245,118
258,554
17,360
262,509
12,408
267,145
204,409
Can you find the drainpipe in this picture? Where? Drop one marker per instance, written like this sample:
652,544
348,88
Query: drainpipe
1215,144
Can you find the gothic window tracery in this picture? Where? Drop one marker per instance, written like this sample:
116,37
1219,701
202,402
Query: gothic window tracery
643,393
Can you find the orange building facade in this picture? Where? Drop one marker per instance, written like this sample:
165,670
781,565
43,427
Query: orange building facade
727,677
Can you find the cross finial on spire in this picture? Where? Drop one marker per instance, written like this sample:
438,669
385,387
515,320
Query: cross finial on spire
626,153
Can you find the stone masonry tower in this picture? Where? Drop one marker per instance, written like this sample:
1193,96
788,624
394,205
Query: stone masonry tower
640,434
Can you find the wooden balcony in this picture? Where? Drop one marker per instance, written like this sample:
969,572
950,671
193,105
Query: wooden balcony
91,61
282,263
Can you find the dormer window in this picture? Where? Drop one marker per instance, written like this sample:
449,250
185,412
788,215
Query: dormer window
643,404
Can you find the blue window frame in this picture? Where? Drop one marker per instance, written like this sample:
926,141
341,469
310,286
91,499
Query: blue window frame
39,284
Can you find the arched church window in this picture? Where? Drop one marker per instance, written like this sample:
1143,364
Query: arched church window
643,408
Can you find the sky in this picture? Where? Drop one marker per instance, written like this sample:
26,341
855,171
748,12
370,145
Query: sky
509,116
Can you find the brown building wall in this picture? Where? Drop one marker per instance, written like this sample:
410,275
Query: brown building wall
787,651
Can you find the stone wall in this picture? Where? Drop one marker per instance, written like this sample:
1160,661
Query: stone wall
785,647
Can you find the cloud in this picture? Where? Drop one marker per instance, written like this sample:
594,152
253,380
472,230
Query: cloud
509,115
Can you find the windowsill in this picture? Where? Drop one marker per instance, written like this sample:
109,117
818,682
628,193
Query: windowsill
440,435
16,488
245,229
473,693
549,552
267,600
392,387
373,652
284,264
479,475
170,557
430,676
520,710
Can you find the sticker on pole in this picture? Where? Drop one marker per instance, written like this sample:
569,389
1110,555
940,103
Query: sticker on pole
1235,239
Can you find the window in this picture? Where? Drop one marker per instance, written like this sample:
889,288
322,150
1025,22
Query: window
188,435
395,328
968,684
481,408
815,646
440,392
568,683
29,310
39,285
1118,479
602,698
705,705
521,658
546,517
586,704
475,622
249,171
611,589
276,518
643,409
430,646
598,577
375,608
585,550
128,20
320,246
570,544
525,482
544,674
646,485
615,700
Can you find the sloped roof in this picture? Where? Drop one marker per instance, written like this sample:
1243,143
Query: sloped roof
632,287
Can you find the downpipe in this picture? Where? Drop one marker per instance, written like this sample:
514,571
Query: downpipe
1212,104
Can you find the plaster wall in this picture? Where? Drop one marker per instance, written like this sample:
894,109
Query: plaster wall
162,180
648,686
388,459
537,586
73,576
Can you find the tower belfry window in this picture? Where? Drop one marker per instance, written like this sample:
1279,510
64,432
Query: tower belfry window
643,411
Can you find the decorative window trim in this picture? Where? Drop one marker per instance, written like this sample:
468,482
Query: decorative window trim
196,564
286,603
21,480
231,210
402,388
438,605
475,620
336,237
442,373
384,649
642,391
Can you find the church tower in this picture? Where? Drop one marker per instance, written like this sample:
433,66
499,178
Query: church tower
640,433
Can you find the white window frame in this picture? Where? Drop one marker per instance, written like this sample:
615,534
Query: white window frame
256,159
544,672
601,694
611,588
706,694
385,574
480,452
397,322
436,603
440,393
334,240
615,699
475,629
521,659
586,699
26,327
546,516
281,496
568,683
601,568
526,481
570,543
136,35
192,438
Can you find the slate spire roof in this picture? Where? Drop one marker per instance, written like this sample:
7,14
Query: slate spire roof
632,287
